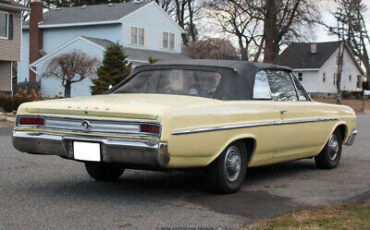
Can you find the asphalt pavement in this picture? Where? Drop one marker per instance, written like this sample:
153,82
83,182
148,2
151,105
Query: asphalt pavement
47,192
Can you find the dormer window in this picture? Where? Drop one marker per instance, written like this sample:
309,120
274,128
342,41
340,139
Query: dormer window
4,25
137,36
168,40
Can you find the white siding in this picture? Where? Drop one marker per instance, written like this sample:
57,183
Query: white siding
23,70
313,80
350,68
51,87
155,22
310,80
53,38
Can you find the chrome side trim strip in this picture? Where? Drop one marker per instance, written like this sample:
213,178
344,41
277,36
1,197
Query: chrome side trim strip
251,126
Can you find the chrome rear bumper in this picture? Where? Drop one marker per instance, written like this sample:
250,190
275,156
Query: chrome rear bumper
123,151
352,138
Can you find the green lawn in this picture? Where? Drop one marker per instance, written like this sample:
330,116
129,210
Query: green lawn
333,217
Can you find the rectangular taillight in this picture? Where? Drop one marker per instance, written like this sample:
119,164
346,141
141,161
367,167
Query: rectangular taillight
31,121
151,129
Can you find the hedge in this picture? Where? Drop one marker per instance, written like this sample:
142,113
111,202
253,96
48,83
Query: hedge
10,104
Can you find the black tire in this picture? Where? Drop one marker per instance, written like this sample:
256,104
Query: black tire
103,172
220,180
329,157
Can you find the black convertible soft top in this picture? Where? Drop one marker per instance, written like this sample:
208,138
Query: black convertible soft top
237,76
238,66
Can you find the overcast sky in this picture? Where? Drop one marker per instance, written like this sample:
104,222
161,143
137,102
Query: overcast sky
328,7
207,28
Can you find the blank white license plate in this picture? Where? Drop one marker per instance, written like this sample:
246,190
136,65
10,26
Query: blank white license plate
86,151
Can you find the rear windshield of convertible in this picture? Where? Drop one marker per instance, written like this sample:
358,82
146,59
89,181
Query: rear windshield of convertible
173,81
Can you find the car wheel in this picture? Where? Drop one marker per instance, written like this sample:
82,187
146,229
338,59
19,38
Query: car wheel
103,172
227,173
330,156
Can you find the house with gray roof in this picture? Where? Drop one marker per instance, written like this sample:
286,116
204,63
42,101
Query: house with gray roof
10,41
315,64
141,27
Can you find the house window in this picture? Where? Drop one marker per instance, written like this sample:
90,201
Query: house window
168,41
172,41
137,36
334,78
324,77
4,25
300,76
350,78
359,82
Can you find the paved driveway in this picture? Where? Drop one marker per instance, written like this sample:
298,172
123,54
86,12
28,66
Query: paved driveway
51,193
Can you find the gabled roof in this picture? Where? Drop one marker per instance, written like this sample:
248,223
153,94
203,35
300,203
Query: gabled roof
142,55
134,55
90,13
94,14
139,55
299,56
101,42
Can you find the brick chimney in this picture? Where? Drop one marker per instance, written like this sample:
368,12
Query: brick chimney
313,48
35,35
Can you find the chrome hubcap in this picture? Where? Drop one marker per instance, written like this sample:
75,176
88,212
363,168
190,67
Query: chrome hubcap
333,147
233,163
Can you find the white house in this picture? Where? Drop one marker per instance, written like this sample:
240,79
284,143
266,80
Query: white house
315,64
141,27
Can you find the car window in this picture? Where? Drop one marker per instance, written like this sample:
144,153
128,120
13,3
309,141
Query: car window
281,85
302,95
173,81
261,89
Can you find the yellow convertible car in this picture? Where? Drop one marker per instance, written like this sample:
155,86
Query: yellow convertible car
222,116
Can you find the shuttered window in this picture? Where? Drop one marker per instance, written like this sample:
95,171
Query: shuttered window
4,25
11,27
137,36
141,36
168,40
172,41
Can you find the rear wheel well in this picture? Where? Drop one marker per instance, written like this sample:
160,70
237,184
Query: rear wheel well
343,131
250,145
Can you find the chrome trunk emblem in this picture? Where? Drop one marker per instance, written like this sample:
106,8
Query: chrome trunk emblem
86,125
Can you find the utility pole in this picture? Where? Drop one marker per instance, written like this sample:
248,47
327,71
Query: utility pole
340,66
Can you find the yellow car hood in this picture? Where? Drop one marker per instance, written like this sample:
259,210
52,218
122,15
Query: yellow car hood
135,106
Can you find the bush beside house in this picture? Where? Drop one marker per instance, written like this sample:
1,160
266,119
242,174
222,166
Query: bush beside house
115,69
9,103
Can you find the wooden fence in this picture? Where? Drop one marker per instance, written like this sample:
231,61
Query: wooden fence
28,85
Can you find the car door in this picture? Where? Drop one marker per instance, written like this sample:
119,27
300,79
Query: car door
308,112
267,113
295,131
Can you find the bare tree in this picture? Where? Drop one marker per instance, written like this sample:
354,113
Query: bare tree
25,13
245,26
282,20
71,68
186,13
212,48
167,5
351,28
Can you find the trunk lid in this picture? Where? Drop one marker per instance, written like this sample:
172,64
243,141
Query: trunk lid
132,106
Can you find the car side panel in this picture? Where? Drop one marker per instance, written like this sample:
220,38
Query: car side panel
209,145
302,139
299,140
